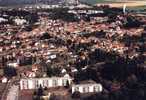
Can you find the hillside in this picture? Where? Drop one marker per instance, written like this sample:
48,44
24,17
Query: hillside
20,2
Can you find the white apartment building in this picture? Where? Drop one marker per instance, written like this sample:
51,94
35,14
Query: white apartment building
87,88
34,83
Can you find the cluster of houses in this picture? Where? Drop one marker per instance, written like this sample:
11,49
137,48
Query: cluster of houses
34,83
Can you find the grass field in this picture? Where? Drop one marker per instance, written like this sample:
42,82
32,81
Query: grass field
97,1
128,3
131,4
105,1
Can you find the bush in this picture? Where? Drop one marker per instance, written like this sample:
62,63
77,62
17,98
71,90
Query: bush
76,94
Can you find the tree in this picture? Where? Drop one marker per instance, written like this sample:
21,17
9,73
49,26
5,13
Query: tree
53,71
45,36
49,71
55,97
10,71
76,94
115,95
40,91
132,81
37,95
67,84
132,22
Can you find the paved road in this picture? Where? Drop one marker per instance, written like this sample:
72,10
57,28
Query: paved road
9,87
5,91
13,93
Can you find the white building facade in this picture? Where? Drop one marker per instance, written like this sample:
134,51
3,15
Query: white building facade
34,83
87,88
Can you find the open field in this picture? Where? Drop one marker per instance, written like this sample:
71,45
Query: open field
117,3
128,3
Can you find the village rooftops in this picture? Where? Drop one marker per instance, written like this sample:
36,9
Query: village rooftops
87,88
34,83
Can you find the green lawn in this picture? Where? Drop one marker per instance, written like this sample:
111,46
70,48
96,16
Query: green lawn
96,1
102,1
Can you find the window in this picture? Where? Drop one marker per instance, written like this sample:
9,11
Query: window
54,82
85,89
36,83
47,83
44,83
27,85
76,88
24,84
64,82
96,89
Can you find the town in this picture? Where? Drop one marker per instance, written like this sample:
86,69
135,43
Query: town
73,51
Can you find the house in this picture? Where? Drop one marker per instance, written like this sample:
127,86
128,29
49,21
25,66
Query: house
34,67
30,74
63,71
4,80
34,83
67,76
13,64
19,21
52,56
73,70
3,19
87,88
